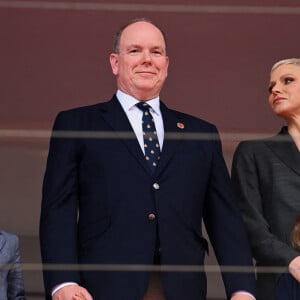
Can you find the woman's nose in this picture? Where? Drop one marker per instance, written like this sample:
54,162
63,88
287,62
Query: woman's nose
276,88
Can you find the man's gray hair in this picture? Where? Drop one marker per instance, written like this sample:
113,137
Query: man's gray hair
117,37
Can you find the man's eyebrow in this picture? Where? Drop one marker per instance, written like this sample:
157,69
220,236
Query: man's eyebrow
134,46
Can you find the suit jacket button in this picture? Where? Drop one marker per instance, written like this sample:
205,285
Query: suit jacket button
151,217
156,185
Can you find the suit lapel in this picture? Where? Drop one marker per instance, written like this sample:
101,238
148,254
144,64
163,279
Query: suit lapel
285,149
174,131
114,115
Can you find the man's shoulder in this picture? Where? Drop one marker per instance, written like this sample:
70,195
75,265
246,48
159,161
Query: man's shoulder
8,238
85,108
82,112
8,235
78,118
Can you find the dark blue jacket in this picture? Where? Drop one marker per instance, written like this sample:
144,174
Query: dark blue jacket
97,174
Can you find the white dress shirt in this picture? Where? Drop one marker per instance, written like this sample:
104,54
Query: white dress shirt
134,115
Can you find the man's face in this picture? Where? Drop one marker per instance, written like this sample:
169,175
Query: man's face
141,66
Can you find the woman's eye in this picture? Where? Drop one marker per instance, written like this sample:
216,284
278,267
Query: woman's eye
288,80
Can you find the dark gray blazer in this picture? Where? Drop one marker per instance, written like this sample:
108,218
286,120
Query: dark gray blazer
11,279
266,177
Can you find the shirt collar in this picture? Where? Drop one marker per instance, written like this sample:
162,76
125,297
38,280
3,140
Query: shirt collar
128,102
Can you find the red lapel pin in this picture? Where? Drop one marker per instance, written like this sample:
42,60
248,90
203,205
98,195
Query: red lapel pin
180,125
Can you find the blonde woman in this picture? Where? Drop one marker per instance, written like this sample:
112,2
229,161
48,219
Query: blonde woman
266,177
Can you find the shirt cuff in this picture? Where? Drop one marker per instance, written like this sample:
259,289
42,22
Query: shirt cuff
60,286
244,293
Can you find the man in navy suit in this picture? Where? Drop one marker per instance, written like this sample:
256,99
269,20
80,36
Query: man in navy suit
104,205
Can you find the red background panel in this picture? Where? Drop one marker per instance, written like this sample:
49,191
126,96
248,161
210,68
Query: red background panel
53,59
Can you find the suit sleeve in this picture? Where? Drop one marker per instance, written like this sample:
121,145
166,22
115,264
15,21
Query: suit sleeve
225,228
15,283
58,220
266,247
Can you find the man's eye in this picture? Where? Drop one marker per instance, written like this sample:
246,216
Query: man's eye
133,51
288,80
157,52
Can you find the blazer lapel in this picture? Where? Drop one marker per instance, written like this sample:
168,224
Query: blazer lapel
114,115
285,149
174,130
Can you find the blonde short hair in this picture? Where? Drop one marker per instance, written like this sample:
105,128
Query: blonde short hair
287,61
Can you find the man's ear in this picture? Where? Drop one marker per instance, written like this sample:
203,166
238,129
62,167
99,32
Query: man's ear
168,60
114,63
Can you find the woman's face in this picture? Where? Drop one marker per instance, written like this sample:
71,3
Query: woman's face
284,88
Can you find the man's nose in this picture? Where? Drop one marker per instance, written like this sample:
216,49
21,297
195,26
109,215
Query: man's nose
147,56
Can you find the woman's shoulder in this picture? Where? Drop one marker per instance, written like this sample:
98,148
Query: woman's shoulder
260,142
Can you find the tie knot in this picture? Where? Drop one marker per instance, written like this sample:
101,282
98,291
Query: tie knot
143,106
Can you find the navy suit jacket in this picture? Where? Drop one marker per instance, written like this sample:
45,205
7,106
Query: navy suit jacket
98,193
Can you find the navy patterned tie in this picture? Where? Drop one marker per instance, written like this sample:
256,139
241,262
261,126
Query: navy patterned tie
151,144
